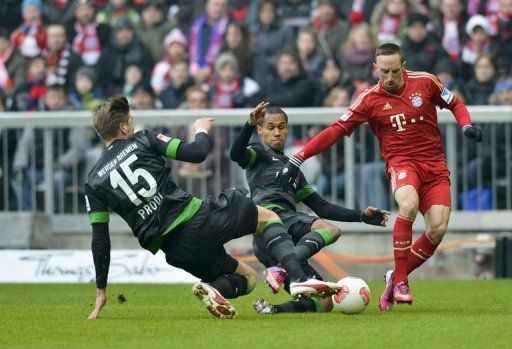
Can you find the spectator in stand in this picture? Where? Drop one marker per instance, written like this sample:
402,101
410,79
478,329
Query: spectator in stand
357,11
230,89
86,35
479,42
143,97
502,93
270,36
175,45
239,42
206,38
58,11
69,154
29,96
125,50
449,26
153,28
311,59
357,55
291,87
337,97
86,95
483,7
389,19
422,49
30,37
331,30
62,62
330,79
478,28
116,10
132,77
501,29
173,96
13,67
481,86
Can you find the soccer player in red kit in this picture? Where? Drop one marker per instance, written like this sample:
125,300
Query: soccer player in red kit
401,111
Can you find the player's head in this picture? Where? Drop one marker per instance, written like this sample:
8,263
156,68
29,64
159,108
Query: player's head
112,119
273,129
389,66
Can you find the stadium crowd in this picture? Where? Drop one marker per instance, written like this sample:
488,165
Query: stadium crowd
168,54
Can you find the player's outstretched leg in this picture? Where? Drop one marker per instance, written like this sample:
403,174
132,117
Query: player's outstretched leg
304,305
387,299
213,300
280,246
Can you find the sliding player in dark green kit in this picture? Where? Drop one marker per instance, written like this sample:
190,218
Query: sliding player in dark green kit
131,178
262,162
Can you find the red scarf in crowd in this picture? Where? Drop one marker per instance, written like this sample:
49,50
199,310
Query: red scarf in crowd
5,80
451,40
389,25
322,27
491,7
87,42
223,93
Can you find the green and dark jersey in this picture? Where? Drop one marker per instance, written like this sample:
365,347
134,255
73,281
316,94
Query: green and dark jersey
262,165
261,171
132,179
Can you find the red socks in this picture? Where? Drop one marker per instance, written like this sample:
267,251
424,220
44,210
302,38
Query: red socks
402,237
421,250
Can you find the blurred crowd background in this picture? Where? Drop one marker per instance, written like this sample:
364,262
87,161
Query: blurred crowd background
196,54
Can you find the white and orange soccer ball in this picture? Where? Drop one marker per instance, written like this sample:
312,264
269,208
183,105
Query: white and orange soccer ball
353,297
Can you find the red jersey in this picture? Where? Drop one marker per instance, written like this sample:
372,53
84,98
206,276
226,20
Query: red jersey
405,122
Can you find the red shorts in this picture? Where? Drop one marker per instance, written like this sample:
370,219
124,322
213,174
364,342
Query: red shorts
431,180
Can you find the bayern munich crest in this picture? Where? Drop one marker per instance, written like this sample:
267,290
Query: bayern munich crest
416,100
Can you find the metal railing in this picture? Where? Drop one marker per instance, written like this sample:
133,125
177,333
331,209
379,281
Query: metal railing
350,172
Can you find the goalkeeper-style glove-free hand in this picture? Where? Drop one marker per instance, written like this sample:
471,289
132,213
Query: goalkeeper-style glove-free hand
473,132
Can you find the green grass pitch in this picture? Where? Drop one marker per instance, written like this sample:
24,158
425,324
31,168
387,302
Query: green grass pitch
445,314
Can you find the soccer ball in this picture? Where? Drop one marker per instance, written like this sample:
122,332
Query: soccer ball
353,297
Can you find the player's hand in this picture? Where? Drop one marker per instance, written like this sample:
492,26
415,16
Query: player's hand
288,174
373,216
101,299
258,113
205,124
474,133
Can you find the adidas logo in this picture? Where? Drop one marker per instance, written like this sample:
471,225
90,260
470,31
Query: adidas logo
387,106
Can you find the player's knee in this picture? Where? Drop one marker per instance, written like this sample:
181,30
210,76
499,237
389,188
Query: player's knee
436,232
408,209
265,216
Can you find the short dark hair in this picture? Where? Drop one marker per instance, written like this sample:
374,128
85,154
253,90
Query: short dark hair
272,109
109,114
389,49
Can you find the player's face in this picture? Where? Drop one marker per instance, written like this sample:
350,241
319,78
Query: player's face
389,69
274,130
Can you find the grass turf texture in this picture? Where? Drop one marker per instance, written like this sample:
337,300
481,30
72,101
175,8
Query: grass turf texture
445,314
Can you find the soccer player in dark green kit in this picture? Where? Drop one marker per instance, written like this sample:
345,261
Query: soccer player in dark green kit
262,162
131,178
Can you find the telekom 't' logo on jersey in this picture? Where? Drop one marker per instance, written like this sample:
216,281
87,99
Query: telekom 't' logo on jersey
398,121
